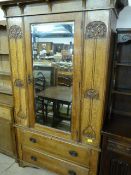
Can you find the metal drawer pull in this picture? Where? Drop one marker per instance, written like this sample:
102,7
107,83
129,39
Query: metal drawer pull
30,79
33,158
73,153
70,172
33,140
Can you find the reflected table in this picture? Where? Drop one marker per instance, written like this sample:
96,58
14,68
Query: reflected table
58,95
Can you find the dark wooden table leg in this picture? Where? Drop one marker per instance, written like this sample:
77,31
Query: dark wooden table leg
43,109
56,113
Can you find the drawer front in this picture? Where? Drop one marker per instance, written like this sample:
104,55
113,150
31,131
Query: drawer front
46,161
5,113
75,153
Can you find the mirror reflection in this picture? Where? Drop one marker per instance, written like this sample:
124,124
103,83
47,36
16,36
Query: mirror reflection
52,52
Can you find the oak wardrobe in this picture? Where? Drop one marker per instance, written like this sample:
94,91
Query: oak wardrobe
7,136
59,53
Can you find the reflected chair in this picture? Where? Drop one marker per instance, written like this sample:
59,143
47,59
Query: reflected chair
41,105
39,83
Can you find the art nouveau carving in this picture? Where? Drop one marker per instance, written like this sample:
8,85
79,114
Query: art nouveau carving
21,115
124,38
92,94
19,83
15,32
96,29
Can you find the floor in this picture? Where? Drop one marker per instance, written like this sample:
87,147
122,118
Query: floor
8,166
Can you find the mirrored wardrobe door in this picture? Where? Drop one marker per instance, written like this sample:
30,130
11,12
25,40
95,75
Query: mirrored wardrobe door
52,56
55,58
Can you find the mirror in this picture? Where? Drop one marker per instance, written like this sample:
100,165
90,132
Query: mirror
52,52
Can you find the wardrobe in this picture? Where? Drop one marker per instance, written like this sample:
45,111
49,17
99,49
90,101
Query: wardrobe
116,142
7,136
60,59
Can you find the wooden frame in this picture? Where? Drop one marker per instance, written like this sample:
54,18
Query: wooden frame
76,74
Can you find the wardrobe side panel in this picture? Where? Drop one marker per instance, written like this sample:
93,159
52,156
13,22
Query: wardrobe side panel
95,67
17,57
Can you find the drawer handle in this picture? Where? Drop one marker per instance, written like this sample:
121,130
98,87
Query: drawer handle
73,153
33,158
33,140
70,172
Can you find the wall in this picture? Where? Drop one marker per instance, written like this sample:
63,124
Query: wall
124,20
1,15
66,40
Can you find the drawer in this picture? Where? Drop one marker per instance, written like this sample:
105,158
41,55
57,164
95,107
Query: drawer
68,151
56,165
5,112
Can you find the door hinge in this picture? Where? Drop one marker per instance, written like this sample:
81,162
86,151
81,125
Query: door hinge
79,85
82,24
77,136
30,79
